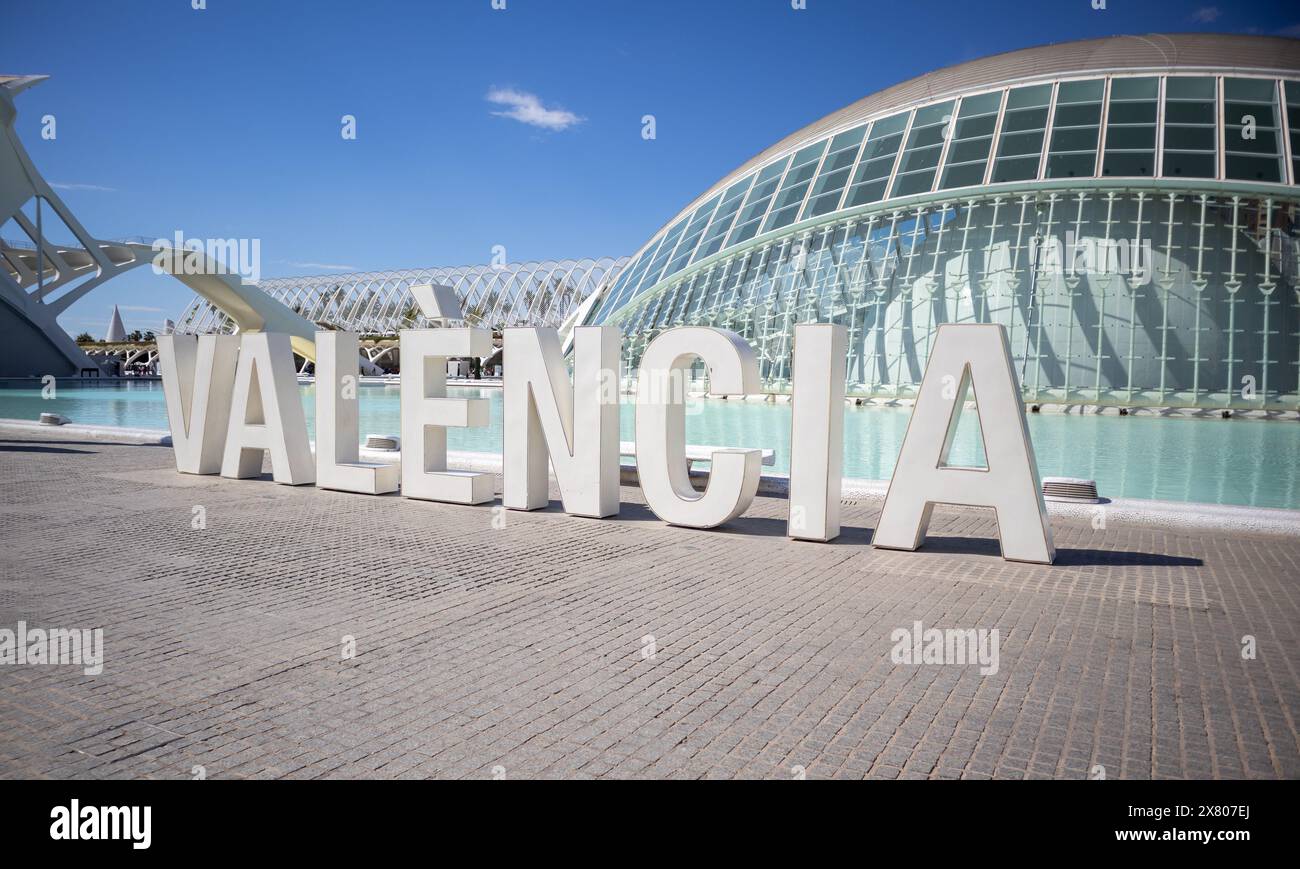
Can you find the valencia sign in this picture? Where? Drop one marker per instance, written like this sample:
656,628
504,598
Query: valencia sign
233,399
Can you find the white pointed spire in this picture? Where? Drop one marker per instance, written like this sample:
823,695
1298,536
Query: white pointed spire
116,331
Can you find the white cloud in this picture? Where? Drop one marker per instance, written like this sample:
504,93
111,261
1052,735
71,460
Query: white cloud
144,308
96,187
1206,14
1292,30
528,109
332,267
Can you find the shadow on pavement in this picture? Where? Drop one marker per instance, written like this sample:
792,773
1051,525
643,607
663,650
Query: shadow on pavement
1064,557
16,446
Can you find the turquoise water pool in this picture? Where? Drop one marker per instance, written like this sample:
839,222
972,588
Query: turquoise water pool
1237,461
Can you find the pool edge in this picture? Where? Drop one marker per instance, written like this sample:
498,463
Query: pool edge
1119,512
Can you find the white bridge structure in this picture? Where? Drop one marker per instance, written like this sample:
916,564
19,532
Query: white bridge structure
40,279
548,293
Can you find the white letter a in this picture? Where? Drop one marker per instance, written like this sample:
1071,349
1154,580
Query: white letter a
979,353
266,414
59,829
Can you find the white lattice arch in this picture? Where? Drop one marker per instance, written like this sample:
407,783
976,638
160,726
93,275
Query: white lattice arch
542,293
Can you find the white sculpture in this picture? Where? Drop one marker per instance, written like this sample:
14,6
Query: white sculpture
817,430
977,355
338,423
427,412
661,427
198,376
437,301
266,413
575,427
245,390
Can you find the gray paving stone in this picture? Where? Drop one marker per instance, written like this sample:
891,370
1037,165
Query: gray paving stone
521,647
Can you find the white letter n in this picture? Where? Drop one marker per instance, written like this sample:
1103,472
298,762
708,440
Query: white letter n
576,428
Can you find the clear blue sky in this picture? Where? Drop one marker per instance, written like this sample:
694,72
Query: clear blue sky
225,122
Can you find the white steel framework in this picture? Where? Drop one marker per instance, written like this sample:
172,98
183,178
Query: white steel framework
40,279
380,303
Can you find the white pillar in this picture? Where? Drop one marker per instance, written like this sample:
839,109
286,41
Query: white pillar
817,431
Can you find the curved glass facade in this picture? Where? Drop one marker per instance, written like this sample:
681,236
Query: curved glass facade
1136,234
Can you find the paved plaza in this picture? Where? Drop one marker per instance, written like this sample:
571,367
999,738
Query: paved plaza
524,645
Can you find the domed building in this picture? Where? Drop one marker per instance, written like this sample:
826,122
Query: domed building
1125,207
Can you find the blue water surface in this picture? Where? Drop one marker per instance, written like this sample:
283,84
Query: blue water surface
1235,461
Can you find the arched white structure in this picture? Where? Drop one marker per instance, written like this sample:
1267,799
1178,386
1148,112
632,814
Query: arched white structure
40,279
533,294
